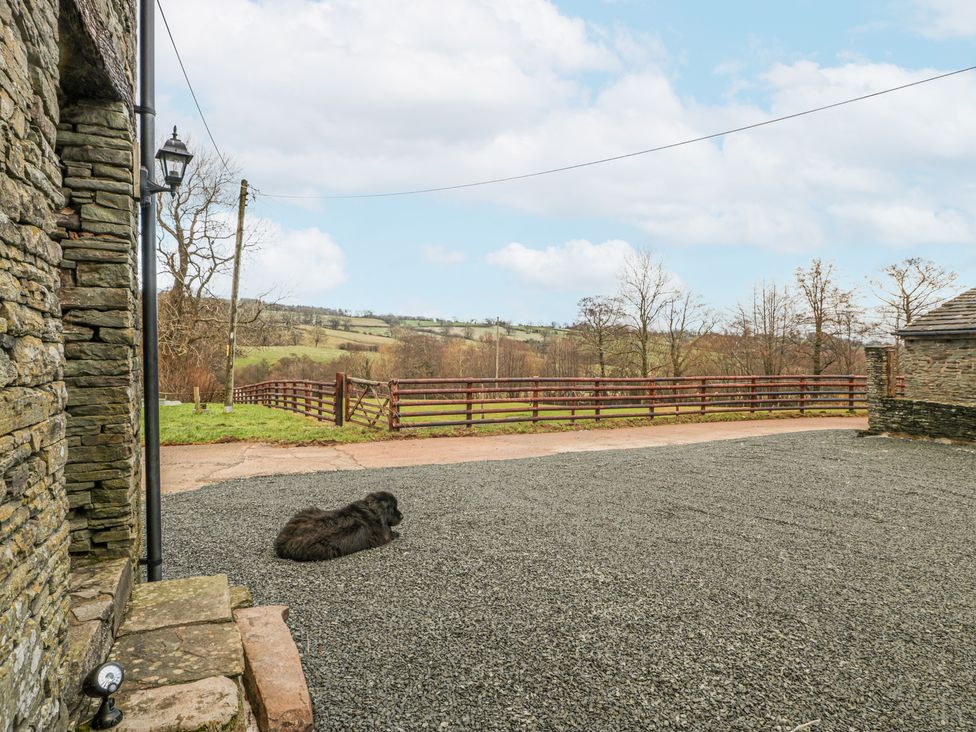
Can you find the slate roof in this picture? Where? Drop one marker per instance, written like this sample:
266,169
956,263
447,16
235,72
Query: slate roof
953,317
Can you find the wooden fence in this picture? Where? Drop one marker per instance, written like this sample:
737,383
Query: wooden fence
322,400
417,403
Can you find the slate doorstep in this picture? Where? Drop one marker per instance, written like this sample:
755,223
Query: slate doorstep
273,670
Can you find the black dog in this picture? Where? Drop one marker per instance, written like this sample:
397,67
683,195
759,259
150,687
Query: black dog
314,534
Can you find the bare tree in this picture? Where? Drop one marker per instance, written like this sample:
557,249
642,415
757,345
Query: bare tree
599,328
822,299
195,247
686,322
852,327
766,330
912,287
644,286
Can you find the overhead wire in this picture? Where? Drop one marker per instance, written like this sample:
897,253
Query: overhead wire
189,86
548,171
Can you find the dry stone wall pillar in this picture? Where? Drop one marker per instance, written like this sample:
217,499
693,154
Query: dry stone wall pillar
99,296
33,530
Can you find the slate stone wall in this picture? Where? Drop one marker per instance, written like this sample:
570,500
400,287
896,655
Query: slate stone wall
940,369
916,417
55,55
33,530
99,296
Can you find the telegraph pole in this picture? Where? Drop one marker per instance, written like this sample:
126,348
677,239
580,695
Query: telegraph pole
496,348
232,335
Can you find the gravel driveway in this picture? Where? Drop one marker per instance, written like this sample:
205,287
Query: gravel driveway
753,584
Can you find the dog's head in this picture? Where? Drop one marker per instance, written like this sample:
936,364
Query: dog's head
386,504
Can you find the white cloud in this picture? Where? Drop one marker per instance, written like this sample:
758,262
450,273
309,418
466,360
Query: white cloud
947,18
575,265
436,254
297,265
384,95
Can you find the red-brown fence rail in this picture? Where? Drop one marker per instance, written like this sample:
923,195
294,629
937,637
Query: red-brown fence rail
470,402
319,399
417,403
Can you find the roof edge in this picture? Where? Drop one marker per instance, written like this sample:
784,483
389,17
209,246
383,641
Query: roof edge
920,333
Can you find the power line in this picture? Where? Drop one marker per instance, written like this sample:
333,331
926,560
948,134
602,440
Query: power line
601,161
549,171
189,86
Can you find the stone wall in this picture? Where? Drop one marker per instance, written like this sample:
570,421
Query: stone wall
99,298
33,531
55,55
916,417
940,369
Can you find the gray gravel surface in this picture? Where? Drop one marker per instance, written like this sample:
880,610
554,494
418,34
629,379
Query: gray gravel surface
752,584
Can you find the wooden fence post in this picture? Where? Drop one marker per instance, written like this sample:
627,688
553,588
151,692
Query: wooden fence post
596,398
850,393
803,394
339,400
469,397
535,401
393,413
753,395
701,396
572,403
651,394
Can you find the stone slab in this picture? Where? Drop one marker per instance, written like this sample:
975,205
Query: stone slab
240,597
189,601
179,654
213,704
98,593
105,586
273,672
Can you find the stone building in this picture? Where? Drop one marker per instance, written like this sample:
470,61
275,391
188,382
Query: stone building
69,375
938,363
939,355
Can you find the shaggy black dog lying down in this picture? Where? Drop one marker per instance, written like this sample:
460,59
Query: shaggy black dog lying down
314,534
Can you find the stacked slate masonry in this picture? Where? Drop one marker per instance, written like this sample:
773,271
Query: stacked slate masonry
99,295
938,360
68,364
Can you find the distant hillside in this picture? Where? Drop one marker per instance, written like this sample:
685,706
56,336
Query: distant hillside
325,334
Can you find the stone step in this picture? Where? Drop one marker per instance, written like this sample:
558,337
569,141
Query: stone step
98,593
214,704
189,601
273,674
178,654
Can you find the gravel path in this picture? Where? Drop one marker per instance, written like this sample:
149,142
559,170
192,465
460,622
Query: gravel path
746,585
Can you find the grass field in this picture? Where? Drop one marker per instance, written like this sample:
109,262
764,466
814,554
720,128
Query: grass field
273,354
178,425
254,423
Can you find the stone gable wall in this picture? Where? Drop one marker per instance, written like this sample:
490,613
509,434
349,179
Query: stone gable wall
915,417
940,369
33,531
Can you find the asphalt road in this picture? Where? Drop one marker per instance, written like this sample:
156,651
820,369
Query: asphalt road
754,584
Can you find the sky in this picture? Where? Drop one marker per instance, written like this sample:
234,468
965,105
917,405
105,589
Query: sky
343,97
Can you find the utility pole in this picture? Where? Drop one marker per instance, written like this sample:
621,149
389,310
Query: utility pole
496,349
232,335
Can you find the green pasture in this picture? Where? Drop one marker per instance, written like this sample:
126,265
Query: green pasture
255,423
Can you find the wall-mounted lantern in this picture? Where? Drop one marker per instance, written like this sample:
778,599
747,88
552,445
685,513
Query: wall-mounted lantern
173,158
